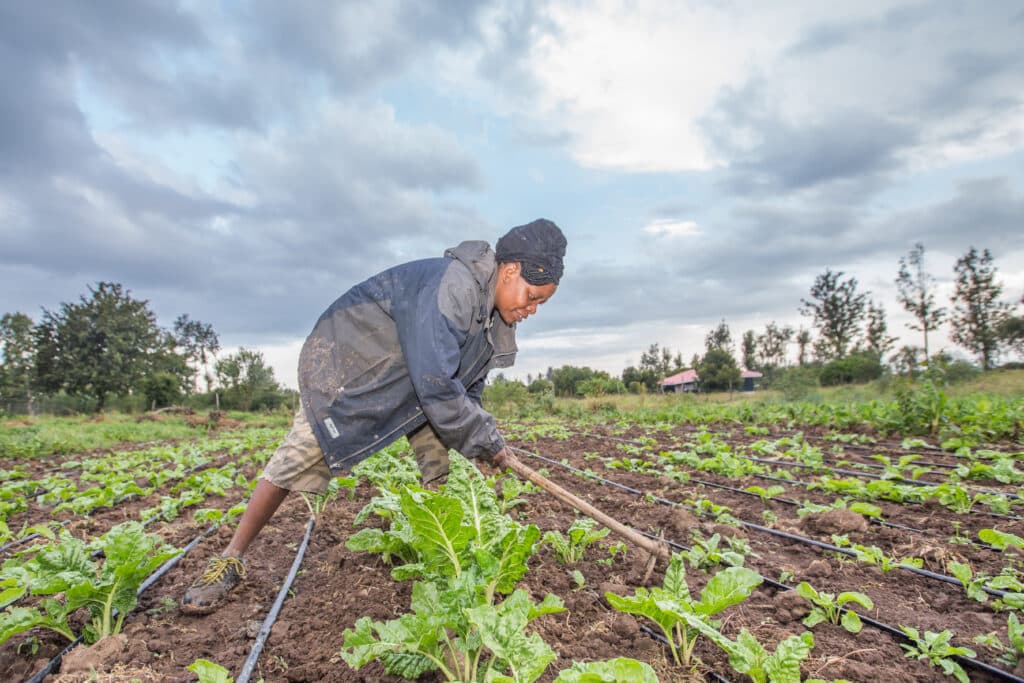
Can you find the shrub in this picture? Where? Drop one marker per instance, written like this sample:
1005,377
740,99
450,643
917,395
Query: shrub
856,368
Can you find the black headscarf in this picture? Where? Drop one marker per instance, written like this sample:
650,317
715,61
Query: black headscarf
539,247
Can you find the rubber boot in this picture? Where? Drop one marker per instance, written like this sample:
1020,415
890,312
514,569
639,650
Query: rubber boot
431,456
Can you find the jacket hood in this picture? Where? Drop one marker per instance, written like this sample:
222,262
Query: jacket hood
478,257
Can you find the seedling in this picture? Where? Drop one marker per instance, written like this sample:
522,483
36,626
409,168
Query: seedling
210,672
936,650
570,548
618,669
830,607
673,609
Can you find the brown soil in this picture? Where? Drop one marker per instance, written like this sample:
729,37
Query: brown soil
336,586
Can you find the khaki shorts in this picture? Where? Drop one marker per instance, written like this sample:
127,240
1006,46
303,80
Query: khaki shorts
298,464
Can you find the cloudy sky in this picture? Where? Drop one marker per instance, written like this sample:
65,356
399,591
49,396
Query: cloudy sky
246,162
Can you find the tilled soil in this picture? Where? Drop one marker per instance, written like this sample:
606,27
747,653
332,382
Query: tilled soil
336,586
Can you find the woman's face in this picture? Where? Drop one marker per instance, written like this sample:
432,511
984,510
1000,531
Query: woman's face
515,298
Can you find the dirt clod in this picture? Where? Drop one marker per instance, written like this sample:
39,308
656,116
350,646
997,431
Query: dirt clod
834,522
790,606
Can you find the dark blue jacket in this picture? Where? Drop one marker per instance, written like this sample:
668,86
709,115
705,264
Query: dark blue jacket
410,344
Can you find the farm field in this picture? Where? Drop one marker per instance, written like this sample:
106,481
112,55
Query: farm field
919,528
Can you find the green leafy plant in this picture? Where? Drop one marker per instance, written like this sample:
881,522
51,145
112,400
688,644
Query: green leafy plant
748,656
210,672
974,585
569,549
667,604
872,554
611,671
614,550
108,593
765,494
831,607
935,649
1001,539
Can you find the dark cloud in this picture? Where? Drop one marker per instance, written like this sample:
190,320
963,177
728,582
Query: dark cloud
827,36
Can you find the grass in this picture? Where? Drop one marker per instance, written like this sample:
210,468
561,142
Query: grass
46,435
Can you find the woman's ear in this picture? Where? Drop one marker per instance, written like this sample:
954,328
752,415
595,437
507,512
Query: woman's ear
510,270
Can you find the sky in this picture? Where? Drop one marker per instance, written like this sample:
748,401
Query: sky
246,162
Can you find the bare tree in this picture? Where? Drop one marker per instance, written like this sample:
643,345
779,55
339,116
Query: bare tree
914,290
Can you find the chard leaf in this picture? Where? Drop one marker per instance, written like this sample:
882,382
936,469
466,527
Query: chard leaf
675,579
56,568
643,603
748,656
853,596
405,572
17,620
727,588
783,666
210,672
816,616
1001,539
510,564
11,591
436,525
502,632
611,671
851,621
551,604
479,501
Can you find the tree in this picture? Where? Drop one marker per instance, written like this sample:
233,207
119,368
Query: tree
719,339
1011,331
102,345
656,363
568,378
837,309
914,291
18,350
246,378
906,361
748,348
977,312
718,371
772,345
876,334
803,340
200,343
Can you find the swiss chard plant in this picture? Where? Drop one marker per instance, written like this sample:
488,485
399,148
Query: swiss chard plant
748,656
70,580
464,554
831,608
667,605
610,671
935,648
581,533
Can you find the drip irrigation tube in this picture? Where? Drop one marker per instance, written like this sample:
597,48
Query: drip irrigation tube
758,527
54,663
807,484
968,661
261,637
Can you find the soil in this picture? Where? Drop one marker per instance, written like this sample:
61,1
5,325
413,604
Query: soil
336,586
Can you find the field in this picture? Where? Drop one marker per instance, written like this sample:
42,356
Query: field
904,512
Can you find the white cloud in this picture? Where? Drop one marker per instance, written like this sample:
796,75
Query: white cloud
667,227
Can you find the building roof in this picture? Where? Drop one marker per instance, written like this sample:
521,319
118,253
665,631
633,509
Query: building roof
684,377
753,374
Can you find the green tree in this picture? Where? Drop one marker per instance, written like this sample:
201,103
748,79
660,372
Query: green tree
18,350
907,360
838,310
772,345
719,339
748,349
978,314
718,371
1011,331
200,343
876,332
656,363
102,345
803,341
246,378
914,290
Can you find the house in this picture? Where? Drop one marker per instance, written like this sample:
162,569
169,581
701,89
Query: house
685,381
750,378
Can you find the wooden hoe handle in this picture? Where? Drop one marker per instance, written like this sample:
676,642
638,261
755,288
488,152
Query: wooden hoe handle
506,459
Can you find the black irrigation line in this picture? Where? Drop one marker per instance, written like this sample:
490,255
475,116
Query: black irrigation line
808,484
268,623
54,664
973,663
837,470
757,527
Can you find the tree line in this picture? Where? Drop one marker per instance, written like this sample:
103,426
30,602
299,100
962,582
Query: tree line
108,344
847,339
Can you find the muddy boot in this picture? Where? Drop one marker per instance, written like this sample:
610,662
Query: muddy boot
431,456
221,575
